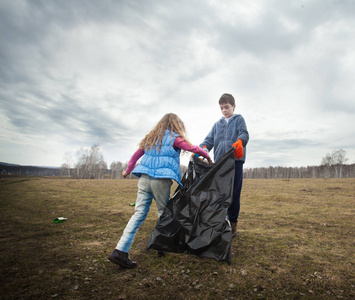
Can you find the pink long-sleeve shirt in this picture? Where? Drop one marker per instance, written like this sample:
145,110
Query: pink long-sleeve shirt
179,143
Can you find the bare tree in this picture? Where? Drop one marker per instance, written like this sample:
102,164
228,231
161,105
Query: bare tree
116,169
91,164
65,170
334,162
67,165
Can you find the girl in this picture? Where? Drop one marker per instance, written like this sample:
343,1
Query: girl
160,165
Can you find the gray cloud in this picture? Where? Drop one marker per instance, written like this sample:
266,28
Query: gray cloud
75,73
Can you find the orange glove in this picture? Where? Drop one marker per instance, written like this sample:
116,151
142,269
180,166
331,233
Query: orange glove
238,152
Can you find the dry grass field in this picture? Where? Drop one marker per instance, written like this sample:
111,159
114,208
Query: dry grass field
296,241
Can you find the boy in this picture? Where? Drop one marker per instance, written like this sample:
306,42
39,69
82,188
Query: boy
230,131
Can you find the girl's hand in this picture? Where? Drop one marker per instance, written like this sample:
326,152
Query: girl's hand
124,174
210,162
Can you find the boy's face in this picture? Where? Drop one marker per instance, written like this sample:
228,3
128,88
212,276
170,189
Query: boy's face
227,109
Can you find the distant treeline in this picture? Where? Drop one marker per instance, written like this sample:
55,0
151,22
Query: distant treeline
323,171
333,171
28,170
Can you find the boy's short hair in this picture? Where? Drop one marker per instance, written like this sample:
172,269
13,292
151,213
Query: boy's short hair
227,98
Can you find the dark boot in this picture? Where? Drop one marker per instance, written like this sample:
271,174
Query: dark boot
161,253
234,229
121,258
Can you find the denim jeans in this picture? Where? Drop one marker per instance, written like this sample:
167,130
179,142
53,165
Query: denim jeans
148,188
234,208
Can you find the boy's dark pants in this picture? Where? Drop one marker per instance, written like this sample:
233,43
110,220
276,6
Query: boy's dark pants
233,211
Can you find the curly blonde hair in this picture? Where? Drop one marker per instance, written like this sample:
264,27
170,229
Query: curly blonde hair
169,122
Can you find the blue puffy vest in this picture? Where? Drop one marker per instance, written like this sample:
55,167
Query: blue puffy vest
161,164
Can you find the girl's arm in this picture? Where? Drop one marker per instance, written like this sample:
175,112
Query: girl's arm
182,144
132,162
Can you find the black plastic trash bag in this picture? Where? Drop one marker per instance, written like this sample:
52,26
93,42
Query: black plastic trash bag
195,218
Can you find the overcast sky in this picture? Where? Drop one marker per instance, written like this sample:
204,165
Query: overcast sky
78,73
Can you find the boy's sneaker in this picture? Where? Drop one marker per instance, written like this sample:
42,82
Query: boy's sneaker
121,258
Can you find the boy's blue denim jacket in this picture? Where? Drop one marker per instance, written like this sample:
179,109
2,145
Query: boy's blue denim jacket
223,135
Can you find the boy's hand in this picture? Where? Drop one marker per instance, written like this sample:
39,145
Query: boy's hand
238,152
124,174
